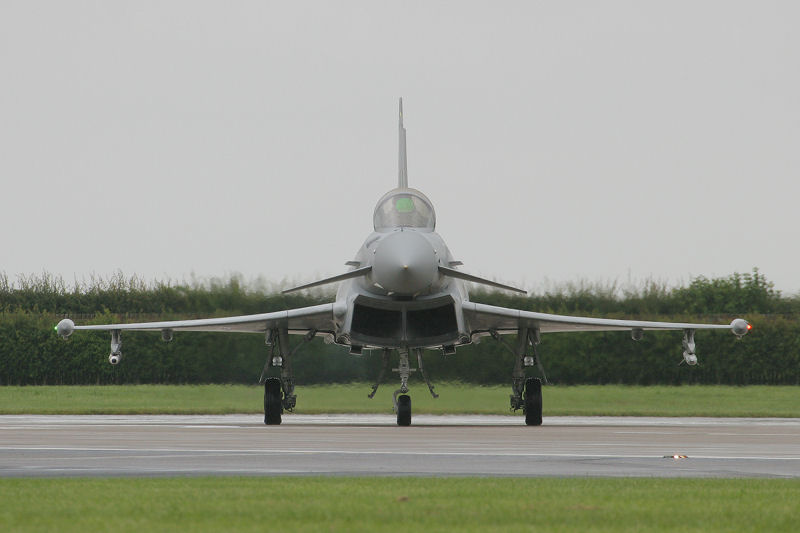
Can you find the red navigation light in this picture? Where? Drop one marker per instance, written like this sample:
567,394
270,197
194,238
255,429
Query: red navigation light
749,327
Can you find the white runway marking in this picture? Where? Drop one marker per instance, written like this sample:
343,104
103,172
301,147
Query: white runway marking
374,445
192,452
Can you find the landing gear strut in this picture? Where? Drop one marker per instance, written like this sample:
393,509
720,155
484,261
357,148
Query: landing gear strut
404,369
386,352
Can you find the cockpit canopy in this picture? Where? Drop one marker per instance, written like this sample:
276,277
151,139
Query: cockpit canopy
406,208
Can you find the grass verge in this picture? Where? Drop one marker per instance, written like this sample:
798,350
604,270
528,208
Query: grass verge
586,400
392,504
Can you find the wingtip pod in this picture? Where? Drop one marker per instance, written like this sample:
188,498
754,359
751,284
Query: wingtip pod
740,327
65,328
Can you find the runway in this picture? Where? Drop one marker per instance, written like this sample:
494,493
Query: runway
48,446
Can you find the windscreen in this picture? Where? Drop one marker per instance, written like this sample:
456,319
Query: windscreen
404,209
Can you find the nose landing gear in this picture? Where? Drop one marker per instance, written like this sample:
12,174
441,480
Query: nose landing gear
400,399
404,369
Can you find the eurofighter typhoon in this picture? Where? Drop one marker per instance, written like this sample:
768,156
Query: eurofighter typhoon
404,293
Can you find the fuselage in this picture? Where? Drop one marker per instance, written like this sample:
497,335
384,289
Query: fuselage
404,301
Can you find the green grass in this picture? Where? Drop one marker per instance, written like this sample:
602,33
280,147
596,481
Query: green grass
398,504
610,400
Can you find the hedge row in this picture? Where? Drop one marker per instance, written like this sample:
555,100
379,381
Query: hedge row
31,353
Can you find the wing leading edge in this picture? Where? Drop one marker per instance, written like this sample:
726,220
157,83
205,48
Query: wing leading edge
484,318
317,318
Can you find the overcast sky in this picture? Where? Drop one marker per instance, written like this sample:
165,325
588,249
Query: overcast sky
559,141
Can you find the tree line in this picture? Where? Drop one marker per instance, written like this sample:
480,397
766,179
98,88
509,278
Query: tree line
32,354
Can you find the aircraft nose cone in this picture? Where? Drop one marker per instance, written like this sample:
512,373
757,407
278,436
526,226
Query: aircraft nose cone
405,263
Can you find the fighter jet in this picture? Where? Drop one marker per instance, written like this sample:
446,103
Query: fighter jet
404,293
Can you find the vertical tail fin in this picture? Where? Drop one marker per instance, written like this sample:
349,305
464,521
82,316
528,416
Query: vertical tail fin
402,162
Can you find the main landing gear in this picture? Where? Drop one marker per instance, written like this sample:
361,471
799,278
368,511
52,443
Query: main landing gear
279,393
526,392
401,399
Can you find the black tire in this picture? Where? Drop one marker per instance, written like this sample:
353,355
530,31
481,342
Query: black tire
404,410
272,402
533,402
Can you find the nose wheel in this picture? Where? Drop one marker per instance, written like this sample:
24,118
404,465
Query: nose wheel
404,410
402,403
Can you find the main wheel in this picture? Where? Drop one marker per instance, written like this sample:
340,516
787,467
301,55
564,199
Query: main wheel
404,410
533,402
272,402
